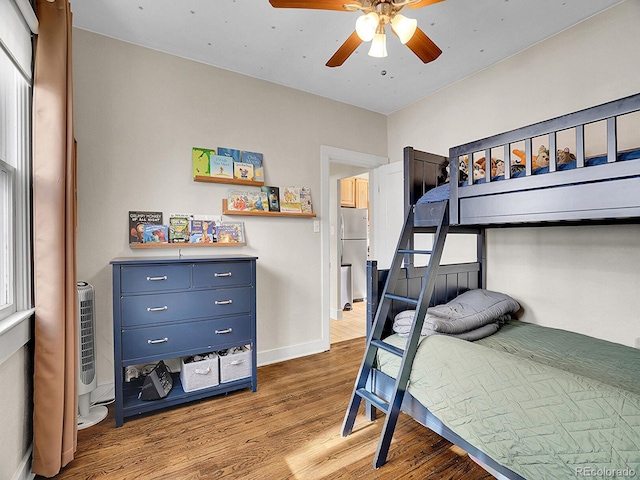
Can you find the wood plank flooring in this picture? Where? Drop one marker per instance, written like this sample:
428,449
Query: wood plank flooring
288,429
351,325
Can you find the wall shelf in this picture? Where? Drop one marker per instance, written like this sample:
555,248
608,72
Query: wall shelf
228,181
181,245
226,211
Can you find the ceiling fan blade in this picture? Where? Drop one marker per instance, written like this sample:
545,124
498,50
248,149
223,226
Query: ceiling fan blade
424,3
345,50
313,4
423,47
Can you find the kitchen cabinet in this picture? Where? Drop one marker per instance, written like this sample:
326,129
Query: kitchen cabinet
354,192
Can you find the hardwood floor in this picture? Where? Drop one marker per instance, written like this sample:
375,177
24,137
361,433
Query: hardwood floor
288,429
351,325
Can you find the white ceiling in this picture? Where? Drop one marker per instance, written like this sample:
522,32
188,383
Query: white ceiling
291,46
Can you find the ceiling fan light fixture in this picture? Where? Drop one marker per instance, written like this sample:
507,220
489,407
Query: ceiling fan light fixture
404,27
378,45
366,26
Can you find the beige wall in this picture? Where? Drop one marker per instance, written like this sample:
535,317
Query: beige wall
15,413
584,279
138,114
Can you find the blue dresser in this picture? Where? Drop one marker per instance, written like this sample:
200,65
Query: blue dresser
168,307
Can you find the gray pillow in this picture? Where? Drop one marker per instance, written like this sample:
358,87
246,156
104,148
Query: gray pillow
469,311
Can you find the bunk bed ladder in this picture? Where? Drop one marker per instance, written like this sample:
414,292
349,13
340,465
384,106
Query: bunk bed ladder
440,214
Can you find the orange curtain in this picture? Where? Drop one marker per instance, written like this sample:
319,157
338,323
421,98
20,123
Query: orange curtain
54,230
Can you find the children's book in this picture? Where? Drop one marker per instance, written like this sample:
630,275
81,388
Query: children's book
137,221
290,200
257,202
243,171
156,233
230,232
305,200
179,227
238,200
200,160
236,229
221,166
201,231
229,152
254,159
273,197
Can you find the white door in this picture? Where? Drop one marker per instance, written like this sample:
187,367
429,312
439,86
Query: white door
388,212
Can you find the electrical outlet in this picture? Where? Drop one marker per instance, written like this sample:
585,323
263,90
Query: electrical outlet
638,342
316,226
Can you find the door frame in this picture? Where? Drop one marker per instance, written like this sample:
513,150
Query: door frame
329,155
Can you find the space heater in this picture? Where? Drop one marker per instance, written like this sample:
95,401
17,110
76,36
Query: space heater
87,415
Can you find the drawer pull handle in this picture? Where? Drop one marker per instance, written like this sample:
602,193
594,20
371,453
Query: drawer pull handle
221,332
155,279
223,302
200,371
228,274
157,309
160,340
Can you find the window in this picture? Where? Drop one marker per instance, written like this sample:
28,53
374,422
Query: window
7,266
15,174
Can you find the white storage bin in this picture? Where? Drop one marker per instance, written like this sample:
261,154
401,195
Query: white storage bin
235,364
199,374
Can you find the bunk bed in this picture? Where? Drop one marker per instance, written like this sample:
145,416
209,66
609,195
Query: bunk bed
528,401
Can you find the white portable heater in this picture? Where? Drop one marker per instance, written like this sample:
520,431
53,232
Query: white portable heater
87,415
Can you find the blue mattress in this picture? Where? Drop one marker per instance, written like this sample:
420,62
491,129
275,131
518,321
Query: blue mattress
438,194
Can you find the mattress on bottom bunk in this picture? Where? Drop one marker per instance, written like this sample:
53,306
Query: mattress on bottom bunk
541,412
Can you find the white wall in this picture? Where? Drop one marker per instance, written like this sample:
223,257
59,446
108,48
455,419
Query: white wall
138,114
15,414
583,279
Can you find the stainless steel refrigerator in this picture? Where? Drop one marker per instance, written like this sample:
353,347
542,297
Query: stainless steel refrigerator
354,247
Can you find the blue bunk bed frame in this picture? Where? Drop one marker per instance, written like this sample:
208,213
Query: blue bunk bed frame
608,193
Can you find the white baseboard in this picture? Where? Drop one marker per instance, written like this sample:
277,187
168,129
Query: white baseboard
336,314
288,353
24,469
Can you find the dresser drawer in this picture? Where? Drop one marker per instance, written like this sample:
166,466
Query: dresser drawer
170,307
154,278
203,336
221,274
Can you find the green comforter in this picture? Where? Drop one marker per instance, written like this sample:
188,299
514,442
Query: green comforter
546,403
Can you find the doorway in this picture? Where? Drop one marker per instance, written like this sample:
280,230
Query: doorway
336,163
348,317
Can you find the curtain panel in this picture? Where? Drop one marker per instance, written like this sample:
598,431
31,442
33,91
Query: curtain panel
54,230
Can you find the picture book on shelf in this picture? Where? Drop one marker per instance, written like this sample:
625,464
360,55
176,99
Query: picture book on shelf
203,223
137,221
290,200
305,200
257,202
156,233
243,171
201,231
238,200
237,230
273,198
230,232
229,152
255,159
200,161
179,227
221,166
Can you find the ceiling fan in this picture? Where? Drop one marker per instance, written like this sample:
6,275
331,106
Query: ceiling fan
371,26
